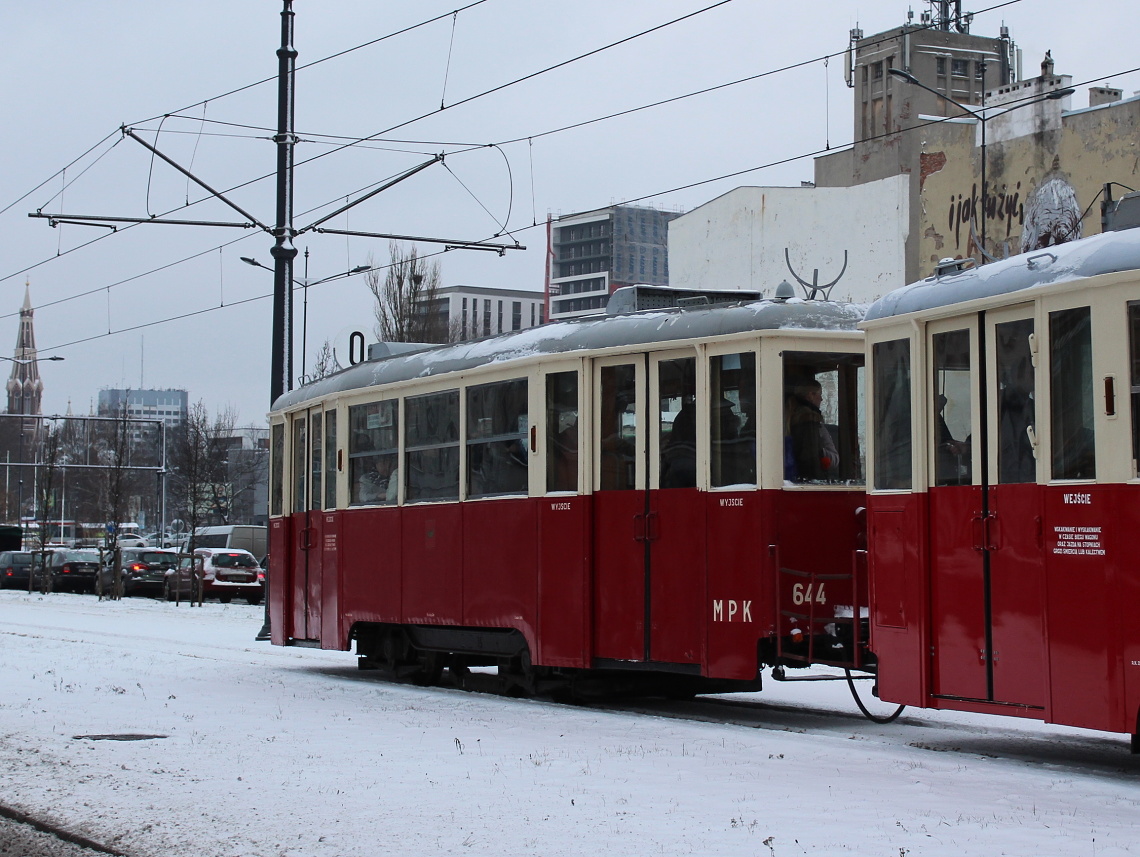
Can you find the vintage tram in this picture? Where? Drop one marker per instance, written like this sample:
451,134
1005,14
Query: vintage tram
658,501
1004,498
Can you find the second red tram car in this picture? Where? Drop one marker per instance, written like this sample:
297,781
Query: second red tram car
669,499
1004,500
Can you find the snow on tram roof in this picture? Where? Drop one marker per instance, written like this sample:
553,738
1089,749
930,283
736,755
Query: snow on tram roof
597,332
1105,253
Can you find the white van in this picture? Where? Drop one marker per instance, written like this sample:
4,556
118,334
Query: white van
248,537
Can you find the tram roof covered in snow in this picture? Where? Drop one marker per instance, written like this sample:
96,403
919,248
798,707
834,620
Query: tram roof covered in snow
1106,253
567,337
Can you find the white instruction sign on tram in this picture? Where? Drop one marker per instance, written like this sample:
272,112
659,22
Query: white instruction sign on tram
1077,541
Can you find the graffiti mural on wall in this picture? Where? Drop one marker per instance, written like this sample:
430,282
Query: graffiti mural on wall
1050,214
1002,208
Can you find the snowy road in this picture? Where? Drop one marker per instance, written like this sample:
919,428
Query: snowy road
292,753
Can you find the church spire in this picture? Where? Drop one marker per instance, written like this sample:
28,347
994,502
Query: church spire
25,389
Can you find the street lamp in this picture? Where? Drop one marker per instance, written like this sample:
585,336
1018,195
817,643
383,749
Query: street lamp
980,115
304,283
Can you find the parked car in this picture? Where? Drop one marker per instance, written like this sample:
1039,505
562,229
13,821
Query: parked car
143,570
76,570
226,573
15,567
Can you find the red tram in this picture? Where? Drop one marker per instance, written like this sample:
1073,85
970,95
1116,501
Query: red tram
664,501
1004,498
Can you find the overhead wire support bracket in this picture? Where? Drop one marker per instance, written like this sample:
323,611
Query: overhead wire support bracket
452,243
129,132
405,175
99,220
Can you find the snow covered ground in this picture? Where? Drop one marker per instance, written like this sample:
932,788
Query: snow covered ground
293,752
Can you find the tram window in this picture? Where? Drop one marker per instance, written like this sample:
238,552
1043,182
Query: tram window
431,447
1134,346
373,453
732,419
498,442
300,452
277,486
1071,394
1016,404
822,406
617,427
891,367
677,421
562,431
952,420
316,434
330,459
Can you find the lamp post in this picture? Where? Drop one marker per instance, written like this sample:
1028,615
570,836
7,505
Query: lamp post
304,283
981,116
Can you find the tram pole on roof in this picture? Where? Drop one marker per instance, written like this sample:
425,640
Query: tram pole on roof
284,251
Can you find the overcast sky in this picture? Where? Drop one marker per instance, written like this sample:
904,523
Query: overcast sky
126,311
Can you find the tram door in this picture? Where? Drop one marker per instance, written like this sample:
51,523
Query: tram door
307,496
648,523
986,598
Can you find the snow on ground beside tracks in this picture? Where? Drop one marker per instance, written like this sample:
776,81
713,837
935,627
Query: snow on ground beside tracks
293,752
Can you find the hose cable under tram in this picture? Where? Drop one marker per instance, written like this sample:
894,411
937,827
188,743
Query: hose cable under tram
874,718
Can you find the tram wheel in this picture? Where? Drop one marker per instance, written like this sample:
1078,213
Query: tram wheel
874,718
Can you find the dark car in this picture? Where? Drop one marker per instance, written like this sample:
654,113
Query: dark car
15,567
224,572
143,570
75,570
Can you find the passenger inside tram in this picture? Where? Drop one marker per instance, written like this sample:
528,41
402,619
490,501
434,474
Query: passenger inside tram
953,464
679,450
810,454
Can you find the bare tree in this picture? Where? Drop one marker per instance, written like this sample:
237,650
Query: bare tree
45,497
325,363
198,468
407,304
115,456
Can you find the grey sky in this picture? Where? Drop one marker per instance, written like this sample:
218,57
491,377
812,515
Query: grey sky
75,71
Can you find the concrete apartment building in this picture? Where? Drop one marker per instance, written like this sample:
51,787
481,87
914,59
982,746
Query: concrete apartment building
591,254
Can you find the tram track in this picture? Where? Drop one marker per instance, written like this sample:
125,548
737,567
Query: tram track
31,836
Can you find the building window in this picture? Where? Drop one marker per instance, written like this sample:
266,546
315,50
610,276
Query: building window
516,315
877,70
940,66
499,321
959,68
487,317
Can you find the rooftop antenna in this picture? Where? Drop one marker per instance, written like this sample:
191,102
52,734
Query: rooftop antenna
812,289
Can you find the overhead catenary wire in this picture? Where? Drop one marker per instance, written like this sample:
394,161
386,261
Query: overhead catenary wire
358,141
675,189
718,178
